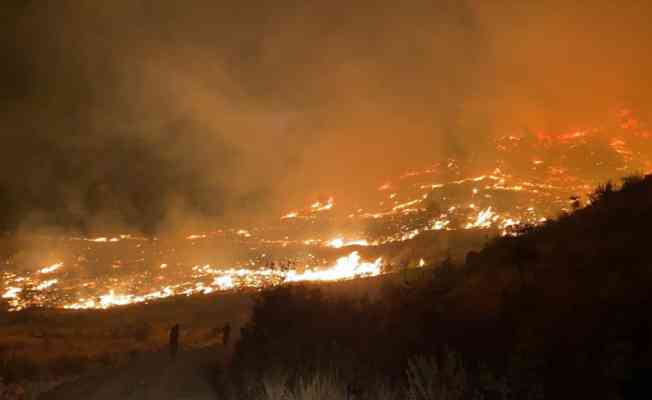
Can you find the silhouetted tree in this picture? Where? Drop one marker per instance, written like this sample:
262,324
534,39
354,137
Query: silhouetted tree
602,192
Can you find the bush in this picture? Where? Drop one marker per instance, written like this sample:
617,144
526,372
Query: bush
430,379
275,385
632,181
319,387
602,192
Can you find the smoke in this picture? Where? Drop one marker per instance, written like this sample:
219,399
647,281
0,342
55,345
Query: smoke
558,65
152,115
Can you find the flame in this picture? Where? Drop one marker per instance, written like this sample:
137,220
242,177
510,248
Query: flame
244,233
12,293
347,267
620,146
51,268
46,284
339,243
290,215
438,225
224,282
12,296
335,243
309,212
406,205
106,239
319,206
483,219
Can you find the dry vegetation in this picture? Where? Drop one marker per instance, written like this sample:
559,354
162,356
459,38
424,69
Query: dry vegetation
561,311
41,348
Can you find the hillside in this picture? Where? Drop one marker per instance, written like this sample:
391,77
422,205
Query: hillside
559,311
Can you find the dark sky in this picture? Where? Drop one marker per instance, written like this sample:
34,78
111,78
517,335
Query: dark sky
144,114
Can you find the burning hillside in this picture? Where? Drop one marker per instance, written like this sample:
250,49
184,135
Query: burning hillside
534,177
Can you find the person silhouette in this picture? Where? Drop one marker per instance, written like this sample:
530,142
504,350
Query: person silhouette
174,341
226,334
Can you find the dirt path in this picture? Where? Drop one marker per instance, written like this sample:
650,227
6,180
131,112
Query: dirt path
150,376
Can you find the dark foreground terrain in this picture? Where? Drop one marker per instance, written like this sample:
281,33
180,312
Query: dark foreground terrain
560,311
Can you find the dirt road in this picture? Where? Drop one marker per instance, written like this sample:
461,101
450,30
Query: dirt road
149,376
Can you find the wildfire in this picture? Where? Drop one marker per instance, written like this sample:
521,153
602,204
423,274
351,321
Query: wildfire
312,210
531,180
347,267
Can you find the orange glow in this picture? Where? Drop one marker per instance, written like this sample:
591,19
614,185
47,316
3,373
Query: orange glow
347,267
447,196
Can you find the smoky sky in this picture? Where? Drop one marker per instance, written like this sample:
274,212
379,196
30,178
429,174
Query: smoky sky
138,114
